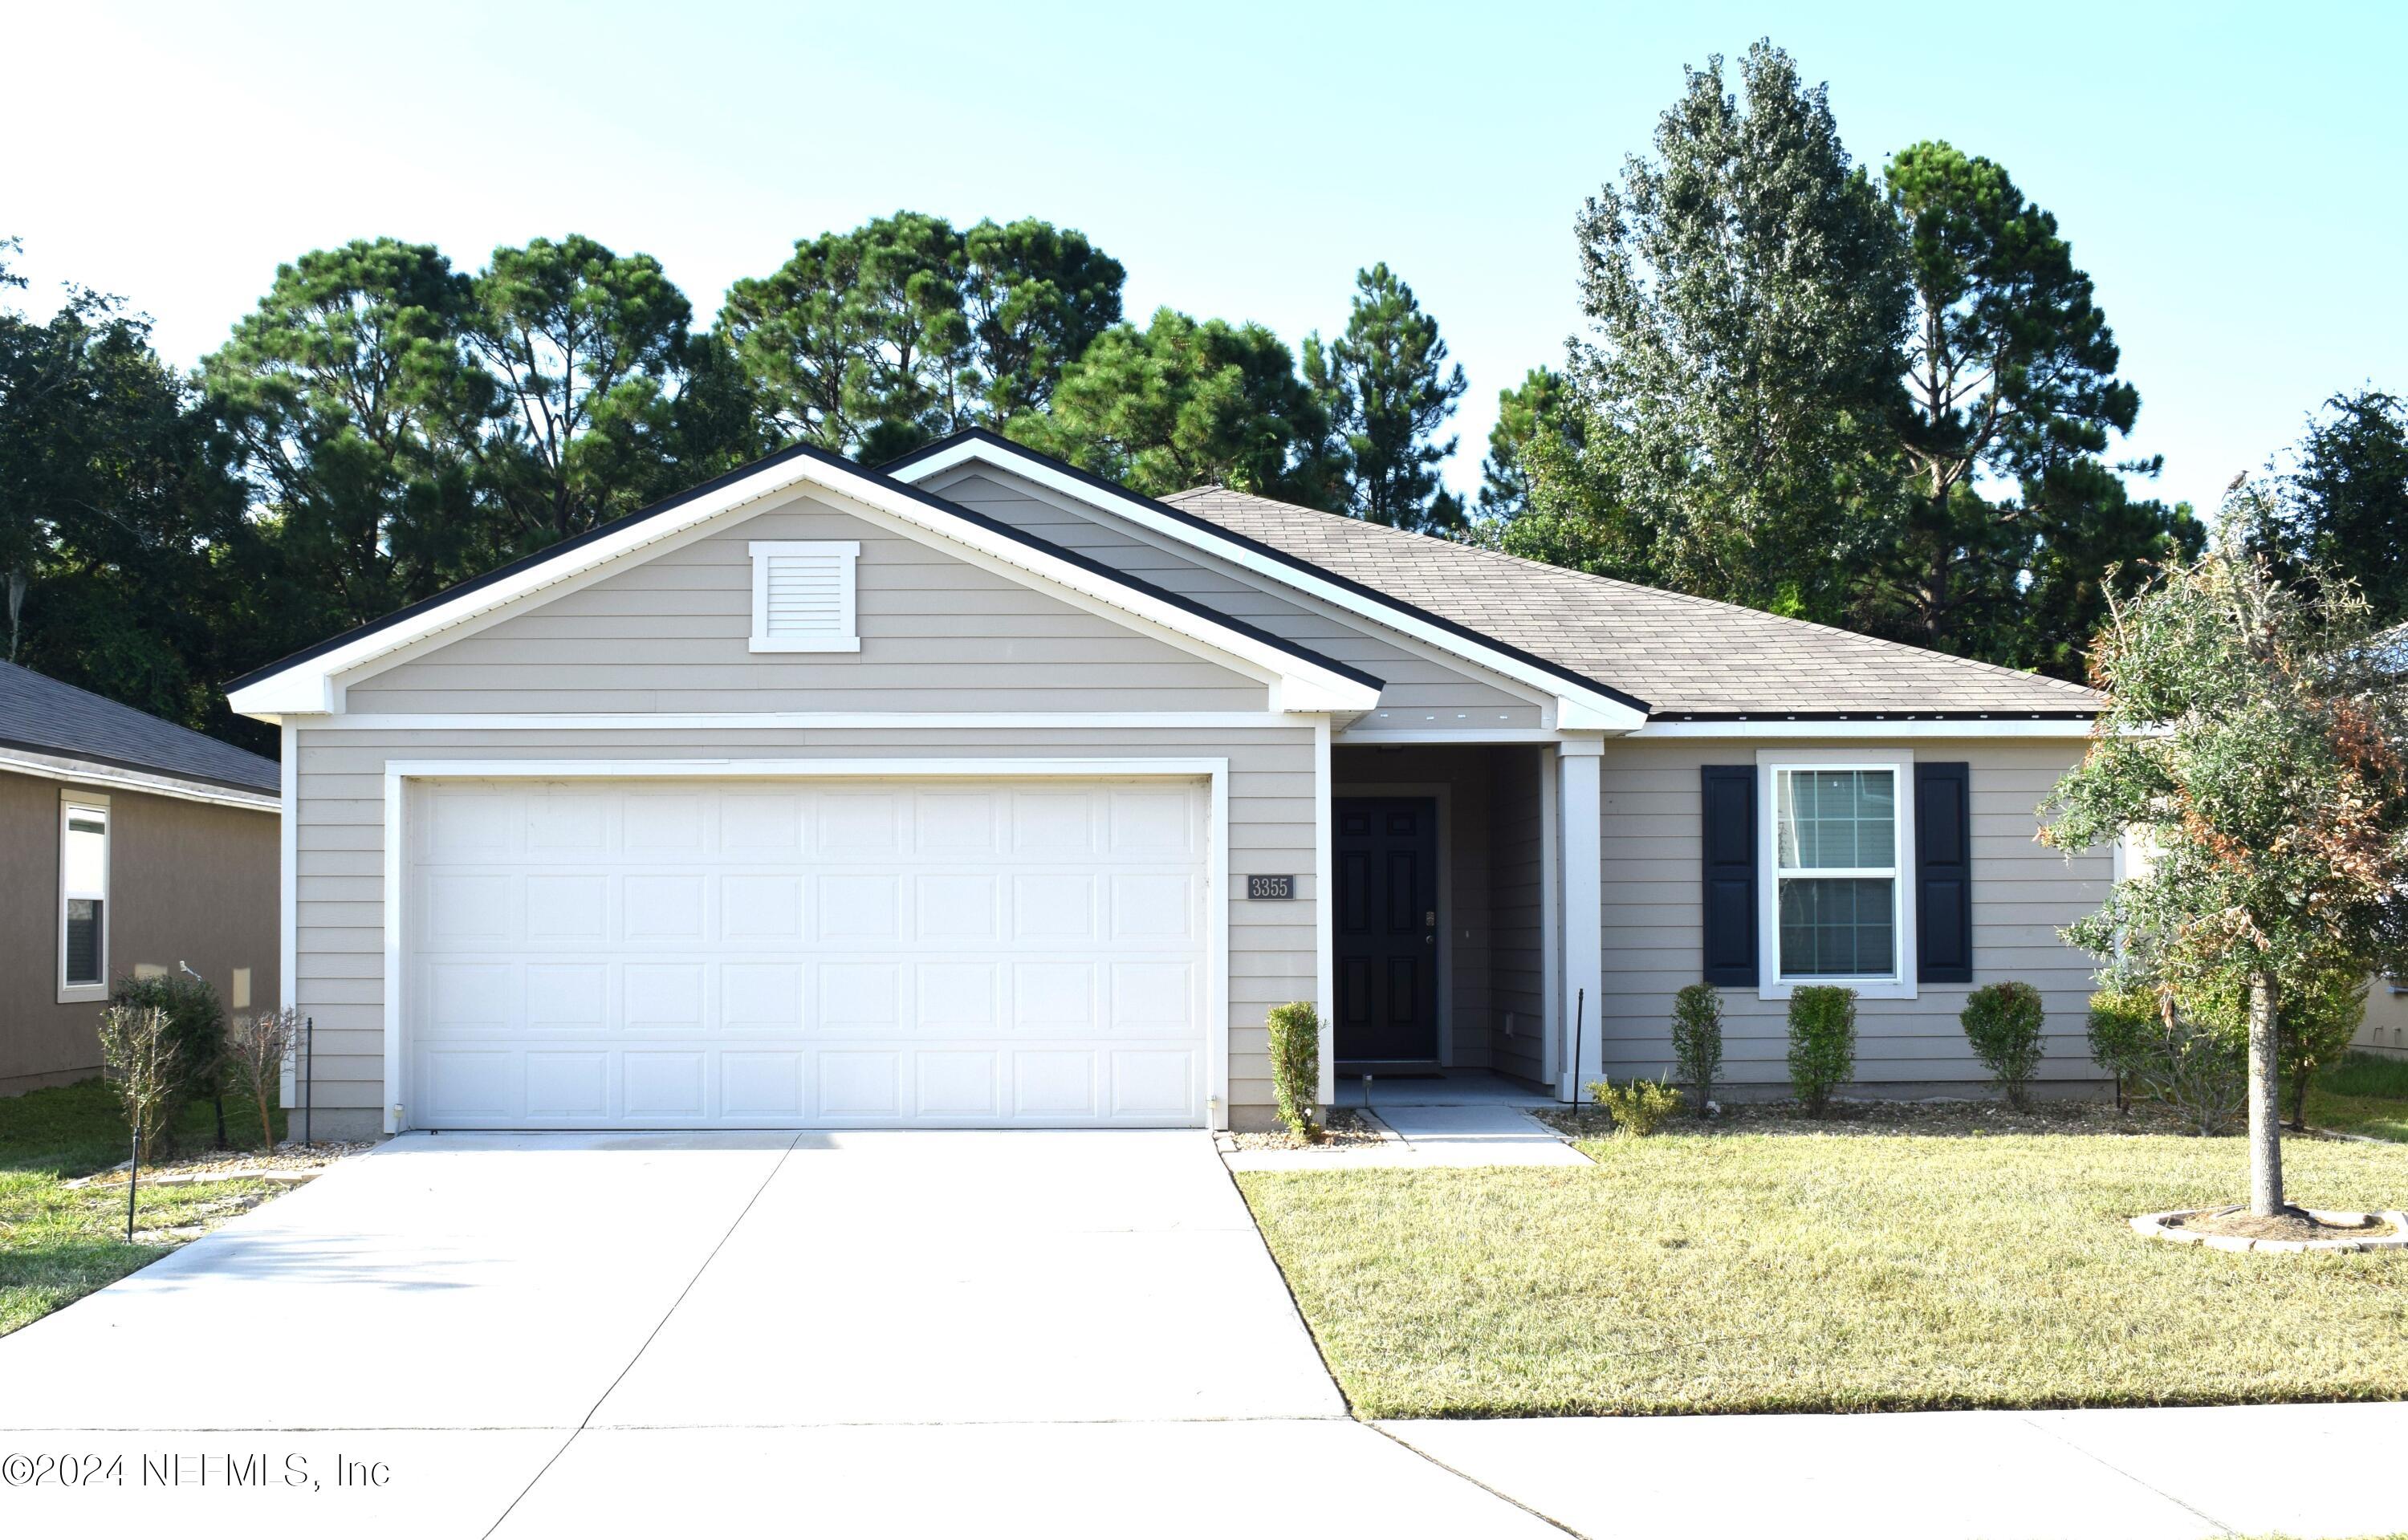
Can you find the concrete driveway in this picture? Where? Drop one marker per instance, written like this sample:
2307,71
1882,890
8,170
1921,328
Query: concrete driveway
871,1334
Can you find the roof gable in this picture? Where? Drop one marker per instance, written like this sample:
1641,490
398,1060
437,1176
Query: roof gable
1582,701
305,682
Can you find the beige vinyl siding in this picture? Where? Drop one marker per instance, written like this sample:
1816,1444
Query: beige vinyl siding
2022,892
672,633
1416,683
341,858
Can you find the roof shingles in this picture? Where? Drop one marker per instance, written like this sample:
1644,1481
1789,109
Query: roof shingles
43,715
1682,655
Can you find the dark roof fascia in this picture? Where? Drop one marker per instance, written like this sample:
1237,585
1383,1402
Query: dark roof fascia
1206,526
812,453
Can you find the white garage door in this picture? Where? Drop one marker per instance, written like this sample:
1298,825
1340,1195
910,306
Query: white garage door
805,953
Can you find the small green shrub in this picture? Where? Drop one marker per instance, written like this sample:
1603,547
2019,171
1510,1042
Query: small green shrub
1698,1040
2314,1023
2126,1029
197,1038
2003,1022
1296,1066
1638,1108
1822,1043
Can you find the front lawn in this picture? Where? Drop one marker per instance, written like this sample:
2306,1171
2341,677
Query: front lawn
2363,1093
57,1243
1770,1272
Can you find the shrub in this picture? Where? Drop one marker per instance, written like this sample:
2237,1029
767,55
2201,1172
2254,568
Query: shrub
1296,1066
1822,1042
1639,1108
2200,1072
2124,1032
2314,1023
254,1062
195,1037
137,1053
1698,1039
2003,1023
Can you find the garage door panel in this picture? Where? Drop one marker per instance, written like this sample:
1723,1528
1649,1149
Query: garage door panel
806,954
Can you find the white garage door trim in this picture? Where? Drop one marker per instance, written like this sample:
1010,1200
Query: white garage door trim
398,772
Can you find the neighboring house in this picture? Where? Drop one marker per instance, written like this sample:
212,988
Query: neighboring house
2385,1031
132,846
981,791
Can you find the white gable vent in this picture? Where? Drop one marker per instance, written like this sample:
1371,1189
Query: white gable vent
802,596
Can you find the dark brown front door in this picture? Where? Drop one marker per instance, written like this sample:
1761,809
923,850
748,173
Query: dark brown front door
1387,850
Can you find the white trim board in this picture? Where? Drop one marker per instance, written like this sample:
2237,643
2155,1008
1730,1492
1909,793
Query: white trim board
156,783
1215,772
313,684
1874,727
778,721
1576,708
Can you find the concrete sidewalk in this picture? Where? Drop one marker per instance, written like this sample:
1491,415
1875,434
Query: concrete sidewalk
2132,1474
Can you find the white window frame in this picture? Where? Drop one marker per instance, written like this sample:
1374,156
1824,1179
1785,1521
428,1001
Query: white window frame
848,555
1897,985
71,807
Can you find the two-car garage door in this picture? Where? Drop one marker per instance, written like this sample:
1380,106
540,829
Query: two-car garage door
805,953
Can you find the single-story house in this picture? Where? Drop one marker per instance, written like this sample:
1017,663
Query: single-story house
978,790
133,847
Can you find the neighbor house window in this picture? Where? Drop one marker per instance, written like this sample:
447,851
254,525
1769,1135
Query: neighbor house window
803,597
83,901
1836,879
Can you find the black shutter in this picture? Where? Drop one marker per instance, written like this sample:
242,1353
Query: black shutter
1944,875
1729,804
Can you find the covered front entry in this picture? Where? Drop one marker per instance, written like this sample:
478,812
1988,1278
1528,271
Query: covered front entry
806,953
1441,871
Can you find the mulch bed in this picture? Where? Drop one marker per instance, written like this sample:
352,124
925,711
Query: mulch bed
1346,1128
2297,1225
286,1160
1943,1118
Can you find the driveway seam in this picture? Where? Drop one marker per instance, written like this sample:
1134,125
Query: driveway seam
776,1166
2149,1487
1501,1496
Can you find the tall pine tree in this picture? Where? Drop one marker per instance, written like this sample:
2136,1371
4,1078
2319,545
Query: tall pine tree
1388,390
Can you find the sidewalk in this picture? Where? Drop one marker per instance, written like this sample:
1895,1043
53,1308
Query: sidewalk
2125,1474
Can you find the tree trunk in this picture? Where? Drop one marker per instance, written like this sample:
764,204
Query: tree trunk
2265,1102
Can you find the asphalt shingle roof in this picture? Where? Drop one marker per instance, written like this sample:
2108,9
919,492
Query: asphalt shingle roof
1684,656
41,713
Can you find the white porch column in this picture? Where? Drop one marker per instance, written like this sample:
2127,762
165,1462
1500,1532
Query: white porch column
1581,863
1324,914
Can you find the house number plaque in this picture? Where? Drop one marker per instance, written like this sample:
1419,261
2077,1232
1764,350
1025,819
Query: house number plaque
1270,887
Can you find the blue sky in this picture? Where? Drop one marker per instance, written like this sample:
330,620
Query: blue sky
2230,175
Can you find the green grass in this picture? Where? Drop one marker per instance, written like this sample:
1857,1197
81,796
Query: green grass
1728,1273
2363,1093
58,1243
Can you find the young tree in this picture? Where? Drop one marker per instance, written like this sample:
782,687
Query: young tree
2258,740
1388,391
2343,507
1184,403
1745,290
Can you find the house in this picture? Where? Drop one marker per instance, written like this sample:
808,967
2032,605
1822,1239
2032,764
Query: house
977,790
132,846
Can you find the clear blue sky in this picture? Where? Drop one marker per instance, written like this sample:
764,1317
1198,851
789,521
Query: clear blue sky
2231,174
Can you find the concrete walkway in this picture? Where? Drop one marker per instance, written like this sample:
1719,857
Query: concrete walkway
1429,1135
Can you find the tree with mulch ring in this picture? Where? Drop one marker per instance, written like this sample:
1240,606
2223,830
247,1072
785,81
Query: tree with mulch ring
2257,736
